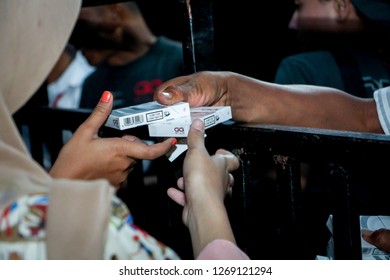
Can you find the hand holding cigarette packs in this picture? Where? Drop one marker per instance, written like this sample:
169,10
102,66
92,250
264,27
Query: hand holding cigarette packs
146,113
167,121
211,116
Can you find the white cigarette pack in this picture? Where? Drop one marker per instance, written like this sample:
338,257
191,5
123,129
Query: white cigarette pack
211,116
146,113
369,251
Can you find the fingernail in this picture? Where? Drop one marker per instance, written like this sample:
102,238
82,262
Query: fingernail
366,232
166,95
174,142
198,125
106,96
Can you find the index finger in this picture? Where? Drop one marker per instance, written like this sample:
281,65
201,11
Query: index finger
141,150
232,160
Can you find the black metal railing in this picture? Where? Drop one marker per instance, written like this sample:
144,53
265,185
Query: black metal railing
346,172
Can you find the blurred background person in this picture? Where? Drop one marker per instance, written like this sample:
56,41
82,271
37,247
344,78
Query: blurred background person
130,60
65,81
340,46
61,89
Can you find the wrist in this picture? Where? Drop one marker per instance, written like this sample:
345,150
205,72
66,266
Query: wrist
208,224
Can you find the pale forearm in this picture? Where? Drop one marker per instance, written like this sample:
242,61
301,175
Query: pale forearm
209,223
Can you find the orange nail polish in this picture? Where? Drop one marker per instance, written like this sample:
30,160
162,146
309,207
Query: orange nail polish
174,142
106,96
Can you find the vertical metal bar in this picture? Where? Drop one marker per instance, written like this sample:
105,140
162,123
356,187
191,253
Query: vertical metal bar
198,40
346,224
241,197
288,184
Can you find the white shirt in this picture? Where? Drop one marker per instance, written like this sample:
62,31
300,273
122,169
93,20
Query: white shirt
382,99
65,92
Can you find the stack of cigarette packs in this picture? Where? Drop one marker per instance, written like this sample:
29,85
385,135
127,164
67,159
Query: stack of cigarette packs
167,121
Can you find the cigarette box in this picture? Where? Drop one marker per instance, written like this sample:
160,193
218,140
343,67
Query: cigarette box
369,251
211,116
146,113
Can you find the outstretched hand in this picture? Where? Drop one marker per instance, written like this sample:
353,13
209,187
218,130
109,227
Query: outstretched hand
199,89
88,156
204,176
202,189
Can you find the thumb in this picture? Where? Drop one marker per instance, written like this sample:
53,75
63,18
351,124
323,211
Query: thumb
195,137
379,238
170,93
101,112
169,98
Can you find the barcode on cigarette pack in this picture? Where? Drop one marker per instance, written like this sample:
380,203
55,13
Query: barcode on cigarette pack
133,120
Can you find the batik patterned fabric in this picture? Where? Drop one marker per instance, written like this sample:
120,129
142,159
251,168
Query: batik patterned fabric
22,232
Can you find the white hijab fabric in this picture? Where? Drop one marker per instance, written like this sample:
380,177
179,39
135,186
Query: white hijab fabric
32,36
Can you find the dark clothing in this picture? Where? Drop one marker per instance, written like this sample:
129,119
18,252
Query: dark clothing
135,82
321,68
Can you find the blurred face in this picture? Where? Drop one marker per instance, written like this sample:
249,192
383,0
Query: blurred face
96,57
103,18
97,28
313,15
98,33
